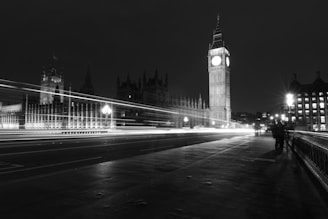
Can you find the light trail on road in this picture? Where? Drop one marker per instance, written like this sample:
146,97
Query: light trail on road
23,135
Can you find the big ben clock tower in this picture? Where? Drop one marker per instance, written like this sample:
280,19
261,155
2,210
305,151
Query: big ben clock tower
219,79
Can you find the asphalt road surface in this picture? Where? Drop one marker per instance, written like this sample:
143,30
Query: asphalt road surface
24,158
227,177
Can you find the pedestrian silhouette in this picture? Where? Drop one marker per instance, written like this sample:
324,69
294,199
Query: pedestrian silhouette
278,133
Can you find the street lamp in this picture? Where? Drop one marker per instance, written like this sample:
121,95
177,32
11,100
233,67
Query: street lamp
283,117
107,110
185,120
289,102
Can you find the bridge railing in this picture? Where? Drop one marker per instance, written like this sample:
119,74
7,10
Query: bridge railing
312,148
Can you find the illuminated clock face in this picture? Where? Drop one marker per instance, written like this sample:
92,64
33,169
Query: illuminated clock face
227,61
216,60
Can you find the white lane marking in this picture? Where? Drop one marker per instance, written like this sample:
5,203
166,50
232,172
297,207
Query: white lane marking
12,167
50,165
152,149
7,166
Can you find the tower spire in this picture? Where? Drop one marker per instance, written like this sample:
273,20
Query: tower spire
217,35
87,86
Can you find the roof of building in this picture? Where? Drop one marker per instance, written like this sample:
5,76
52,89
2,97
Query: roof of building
217,36
317,85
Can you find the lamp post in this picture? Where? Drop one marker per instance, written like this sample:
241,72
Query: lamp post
290,103
185,120
107,110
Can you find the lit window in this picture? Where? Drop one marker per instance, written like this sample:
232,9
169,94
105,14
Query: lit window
322,112
307,112
300,118
321,99
299,105
299,100
314,111
322,119
322,105
129,96
314,99
306,94
314,105
320,93
313,93
306,99
307,106
299,111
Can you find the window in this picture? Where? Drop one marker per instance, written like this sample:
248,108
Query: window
307,112
299,111
321,99
322,105
299,100
313,93
299,106
300,118
306,94
322,112
314,105
314,99
307,119
299,94
306,99
320,93
322,119
314,112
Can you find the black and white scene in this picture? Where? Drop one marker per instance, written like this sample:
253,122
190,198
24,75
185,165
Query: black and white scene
163,109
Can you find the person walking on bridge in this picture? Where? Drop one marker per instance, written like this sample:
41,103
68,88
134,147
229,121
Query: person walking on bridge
278,133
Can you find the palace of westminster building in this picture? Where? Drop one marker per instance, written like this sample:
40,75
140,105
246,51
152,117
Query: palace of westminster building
54,107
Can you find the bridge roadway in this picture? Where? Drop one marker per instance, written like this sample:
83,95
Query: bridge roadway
232,176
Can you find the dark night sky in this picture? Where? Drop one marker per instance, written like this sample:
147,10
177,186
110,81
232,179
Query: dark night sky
268,43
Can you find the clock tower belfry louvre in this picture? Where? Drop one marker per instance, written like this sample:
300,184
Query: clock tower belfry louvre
219,79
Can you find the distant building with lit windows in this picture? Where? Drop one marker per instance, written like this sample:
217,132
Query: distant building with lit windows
310,108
